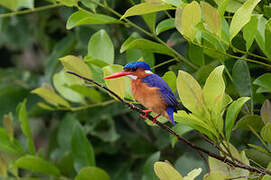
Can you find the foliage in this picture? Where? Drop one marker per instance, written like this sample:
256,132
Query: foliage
215,56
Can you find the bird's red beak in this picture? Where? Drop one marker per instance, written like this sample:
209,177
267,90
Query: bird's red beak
118,74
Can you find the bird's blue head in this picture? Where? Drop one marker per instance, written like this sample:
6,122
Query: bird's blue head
136,65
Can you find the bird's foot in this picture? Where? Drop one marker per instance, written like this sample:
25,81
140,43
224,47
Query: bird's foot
145,113
155,117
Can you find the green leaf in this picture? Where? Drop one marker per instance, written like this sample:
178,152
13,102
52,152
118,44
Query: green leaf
258,157
214,89
259,148
215,175
266,132
116,85
268,39
190,92
211,18
266,111
263,81
260,33
193,174
23,118
8,125
241,78
101,47
170,79
62,81
147,45
10,4
250,120
69,3
150,20
82,18
3,167
82,150
36,164
76,65
94,172
174,2
148,172
194,122
195,54
146,8
249,31
165,171
242,17
165,25
89,4
232,114
11,147
89,92
187,18
50,96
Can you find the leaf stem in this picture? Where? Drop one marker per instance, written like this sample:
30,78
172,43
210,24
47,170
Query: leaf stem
30,10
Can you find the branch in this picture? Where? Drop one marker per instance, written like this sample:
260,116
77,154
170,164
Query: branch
168,129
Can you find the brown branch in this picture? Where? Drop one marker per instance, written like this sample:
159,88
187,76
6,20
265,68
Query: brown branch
168,129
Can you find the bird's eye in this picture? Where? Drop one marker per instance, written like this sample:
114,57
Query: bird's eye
133,69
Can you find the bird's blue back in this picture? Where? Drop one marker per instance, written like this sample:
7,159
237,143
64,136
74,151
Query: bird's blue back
154,80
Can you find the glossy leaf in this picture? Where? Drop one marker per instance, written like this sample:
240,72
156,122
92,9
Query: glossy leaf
165,171
147,45
116,85
260,33
190,92
23,118
69,3
193,174
77,65
195,54
174,2
148,172
211,18
82,18
94,172
249,31
241,78
165,25
259,148
145,8
150,20
232,114
250,120
61,82
36,164
101,47
10,4
242,17
266,132
266,111
170,79
214,89
187,18
51,97
11,147
268,39
264,81
79,141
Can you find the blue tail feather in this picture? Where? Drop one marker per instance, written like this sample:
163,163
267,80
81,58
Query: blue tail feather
170,111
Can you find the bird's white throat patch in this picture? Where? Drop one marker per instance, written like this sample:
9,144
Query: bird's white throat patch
132,77
148,72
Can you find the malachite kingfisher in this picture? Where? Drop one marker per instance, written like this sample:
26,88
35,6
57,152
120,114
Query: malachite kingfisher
150,90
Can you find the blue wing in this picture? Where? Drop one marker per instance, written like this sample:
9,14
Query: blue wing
154,80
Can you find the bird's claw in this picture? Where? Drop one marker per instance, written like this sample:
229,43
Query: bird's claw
145,113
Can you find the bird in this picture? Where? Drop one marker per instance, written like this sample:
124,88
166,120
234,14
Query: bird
150,90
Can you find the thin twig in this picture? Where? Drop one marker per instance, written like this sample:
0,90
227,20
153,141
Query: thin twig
168,129
30,10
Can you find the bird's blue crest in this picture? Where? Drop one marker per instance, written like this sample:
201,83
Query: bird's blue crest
138,64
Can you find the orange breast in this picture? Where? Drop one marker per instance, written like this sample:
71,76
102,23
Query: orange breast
149,97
